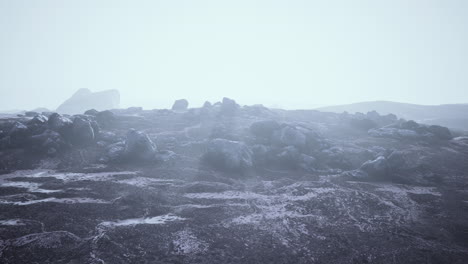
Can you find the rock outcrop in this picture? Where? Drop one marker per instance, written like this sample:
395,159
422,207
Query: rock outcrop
180,105
84,100
228,155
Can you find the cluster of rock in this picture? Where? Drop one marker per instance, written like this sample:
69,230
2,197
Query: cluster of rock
270,143
57,134
229,137
49,135
412,131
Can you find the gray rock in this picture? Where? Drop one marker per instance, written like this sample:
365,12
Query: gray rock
83,131
290,136
59,123
440,132
138,146
105,118
180,105
31,114
49,142
115,152
207,104
376,168
38,120
229,106
228,155
264,130
92,112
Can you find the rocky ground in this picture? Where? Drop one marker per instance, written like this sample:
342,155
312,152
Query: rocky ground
231,184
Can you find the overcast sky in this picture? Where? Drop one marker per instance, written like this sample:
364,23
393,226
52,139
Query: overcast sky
290,53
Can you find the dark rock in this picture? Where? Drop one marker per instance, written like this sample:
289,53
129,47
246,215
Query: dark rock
115,152
207,105
363,124
105,118
138,146
440,132
83,132
229,106
18,129
134,110
264,129
228,155
290,136
49,142
17,137
38,120
180,105
92,112
108,136
60,124
31,114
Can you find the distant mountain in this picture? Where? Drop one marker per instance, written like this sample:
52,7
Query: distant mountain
454,116
84,99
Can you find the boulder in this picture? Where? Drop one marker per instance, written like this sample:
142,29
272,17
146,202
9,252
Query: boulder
60,124
440,132
114,152
49,142
180,105
290,136
17,136
362,124
138,146
31,114
227,155
290,157
229,106
84,100
38,120
82,131
263,130
105,118
207,104
92,112
390,132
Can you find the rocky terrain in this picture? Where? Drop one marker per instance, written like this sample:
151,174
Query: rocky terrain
226,183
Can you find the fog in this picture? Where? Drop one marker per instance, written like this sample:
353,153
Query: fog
290,54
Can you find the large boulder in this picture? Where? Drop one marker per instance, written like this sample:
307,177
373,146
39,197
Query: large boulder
17,136
362,124
49,142
138,146
180,105
91,112
228,155
290,136
263,130
84,99
83,131
105,118
440,132
37,124
229,106
60,123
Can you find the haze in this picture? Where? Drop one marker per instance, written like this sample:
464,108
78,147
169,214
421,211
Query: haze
292,54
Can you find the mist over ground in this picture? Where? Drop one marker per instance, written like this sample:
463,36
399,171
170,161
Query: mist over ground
292,55
280,132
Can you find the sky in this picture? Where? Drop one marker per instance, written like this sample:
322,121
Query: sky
291,54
